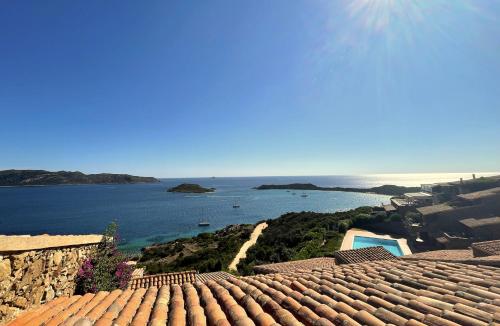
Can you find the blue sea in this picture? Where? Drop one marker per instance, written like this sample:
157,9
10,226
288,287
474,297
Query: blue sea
147,213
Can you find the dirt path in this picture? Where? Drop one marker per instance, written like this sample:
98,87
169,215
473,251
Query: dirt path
243,250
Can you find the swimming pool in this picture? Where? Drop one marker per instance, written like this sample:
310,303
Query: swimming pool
364,242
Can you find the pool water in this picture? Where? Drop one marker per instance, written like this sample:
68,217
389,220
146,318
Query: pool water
364,242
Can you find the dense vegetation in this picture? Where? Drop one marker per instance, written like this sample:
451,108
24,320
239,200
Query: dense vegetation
106,269
304,235
42,177
391,190
292,236
207,252
190,188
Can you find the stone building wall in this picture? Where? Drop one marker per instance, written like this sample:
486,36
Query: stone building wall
34,270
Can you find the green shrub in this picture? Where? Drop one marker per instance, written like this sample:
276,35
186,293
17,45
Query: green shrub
395,217
362,219
106,270
206,252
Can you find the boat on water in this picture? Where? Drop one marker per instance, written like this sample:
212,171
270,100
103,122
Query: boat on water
236,206
203,223
304,195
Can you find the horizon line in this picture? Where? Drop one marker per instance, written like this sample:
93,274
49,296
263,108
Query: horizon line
491,173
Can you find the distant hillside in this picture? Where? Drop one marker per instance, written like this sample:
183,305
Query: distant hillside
41,177
190,188
206,252
391,190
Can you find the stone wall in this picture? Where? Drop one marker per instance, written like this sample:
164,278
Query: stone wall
34,270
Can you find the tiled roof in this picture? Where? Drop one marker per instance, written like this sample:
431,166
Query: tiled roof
465,256
428,210
159,280
473,223
215,276
444,255
487,248
363,254
163,279
305,264
395,292
481,194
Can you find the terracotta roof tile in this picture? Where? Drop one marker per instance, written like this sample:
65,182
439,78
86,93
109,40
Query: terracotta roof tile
307,264
486,248
392,292
75,307
204,277
27,316
465,256
159,280
362,255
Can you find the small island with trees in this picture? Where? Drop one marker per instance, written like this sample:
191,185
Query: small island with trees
390,190
190,188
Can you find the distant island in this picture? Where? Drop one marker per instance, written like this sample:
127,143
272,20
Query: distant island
190,188
391,190
43,178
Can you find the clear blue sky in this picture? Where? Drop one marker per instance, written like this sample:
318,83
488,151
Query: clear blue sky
235,88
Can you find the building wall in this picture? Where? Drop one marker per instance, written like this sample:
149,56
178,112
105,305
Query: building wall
448,221
40,274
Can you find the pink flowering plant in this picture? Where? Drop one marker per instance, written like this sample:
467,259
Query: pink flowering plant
107,269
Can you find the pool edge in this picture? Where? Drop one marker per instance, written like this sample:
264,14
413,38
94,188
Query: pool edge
348,241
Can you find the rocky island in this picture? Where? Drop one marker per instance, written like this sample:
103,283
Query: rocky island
390,190
42,178
190,188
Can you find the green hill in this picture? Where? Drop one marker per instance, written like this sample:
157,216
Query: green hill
42,177
391,190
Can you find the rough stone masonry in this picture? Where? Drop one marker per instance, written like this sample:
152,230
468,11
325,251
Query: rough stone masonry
36,269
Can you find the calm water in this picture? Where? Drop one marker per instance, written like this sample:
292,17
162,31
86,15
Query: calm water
146,213
364,242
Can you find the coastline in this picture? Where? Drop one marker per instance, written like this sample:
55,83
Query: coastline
79,184
135,245
146,214
144,211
